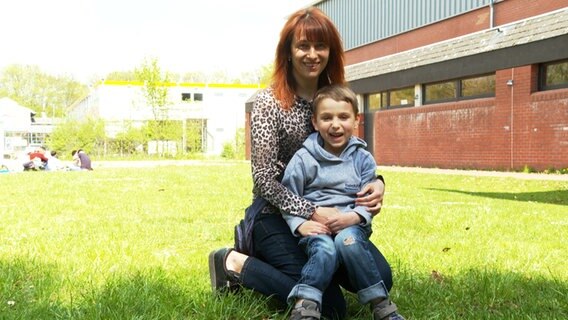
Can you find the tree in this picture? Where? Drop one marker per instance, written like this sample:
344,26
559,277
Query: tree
121,76
218,76
32,88
265,73
155,91
128,142
72,135
194,77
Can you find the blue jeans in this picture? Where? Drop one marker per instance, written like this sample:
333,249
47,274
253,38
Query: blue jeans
350,247
355,253
278,265
318,271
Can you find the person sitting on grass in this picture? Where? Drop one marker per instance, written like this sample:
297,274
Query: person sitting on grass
37,160
329,170
81,161
53,162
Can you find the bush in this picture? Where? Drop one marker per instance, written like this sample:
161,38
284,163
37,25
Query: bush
228,151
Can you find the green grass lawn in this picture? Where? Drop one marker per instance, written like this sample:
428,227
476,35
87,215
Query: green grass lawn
133,244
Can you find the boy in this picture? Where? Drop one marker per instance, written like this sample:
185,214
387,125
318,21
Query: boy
329,170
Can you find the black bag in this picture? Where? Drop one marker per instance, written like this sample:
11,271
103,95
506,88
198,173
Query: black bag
243,230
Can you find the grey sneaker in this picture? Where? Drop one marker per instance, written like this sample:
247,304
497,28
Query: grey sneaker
308,310
222,280
386,310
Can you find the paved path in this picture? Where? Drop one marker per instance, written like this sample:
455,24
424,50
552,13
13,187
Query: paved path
157,163
481,173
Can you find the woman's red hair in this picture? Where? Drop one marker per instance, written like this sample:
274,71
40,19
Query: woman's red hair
315,26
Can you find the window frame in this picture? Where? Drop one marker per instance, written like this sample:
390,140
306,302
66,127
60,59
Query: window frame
186,96
476,96
542,75
385,98
197,96
458,94
454,98
388,98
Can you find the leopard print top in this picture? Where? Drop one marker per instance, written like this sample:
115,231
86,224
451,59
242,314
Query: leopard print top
276,134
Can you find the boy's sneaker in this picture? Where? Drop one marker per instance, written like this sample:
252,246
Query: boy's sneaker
386,310
221,279
307,310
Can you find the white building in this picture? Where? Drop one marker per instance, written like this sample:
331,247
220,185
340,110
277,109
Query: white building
17,131
218,106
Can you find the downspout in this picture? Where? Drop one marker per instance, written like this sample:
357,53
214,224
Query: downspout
511,85
491,14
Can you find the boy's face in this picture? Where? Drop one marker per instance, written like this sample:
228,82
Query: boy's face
335,121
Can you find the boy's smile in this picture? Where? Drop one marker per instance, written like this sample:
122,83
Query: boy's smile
335,121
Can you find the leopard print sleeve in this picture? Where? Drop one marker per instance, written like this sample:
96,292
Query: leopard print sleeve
276,134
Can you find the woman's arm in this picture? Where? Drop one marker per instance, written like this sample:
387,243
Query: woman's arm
267,167
373,191
371,196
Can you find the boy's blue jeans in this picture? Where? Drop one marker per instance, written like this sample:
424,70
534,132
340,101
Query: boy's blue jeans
355,252
318,271
350,248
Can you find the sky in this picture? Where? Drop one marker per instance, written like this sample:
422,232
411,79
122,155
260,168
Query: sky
89,38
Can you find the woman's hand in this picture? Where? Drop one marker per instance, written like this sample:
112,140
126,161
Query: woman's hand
341,221
323,214
312,228
371,196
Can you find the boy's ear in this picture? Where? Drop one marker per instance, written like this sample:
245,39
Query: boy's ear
357,118
314,122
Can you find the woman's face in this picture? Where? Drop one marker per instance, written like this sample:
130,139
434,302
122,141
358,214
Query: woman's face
308,58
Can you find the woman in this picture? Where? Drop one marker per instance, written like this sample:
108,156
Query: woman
309,56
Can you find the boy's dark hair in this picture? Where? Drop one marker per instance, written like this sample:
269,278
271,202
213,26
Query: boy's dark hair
53,153
73,152
338,93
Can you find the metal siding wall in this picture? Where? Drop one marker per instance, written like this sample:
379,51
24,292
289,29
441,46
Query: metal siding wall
364,21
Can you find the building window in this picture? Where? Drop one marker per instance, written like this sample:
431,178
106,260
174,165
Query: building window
374,102
478,87
391,99
440,92
401,97
186,97
554,75
36,138
465,88
198,97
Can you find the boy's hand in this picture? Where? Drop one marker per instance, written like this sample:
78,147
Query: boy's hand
341,221
312,228
322,214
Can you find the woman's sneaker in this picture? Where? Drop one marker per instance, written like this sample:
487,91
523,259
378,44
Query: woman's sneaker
307,310
222,280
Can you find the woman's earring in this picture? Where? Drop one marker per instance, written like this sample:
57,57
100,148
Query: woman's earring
289,59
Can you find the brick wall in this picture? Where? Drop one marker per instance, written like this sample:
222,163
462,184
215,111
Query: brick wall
517,128
513,10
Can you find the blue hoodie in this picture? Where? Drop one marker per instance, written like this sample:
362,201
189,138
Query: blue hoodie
328,180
